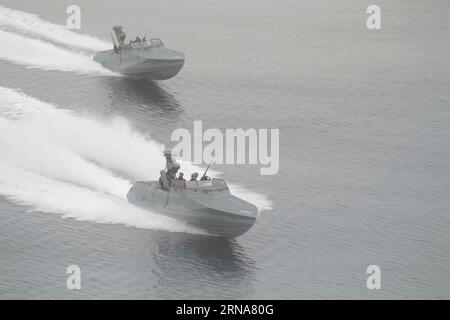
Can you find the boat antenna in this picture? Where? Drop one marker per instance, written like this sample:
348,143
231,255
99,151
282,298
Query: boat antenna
204,175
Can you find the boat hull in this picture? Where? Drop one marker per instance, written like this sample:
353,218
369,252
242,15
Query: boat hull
224,215
152,64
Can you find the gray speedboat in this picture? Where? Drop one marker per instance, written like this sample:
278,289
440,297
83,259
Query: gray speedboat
206,203
141,58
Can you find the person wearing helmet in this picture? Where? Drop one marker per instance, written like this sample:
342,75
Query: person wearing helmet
194,176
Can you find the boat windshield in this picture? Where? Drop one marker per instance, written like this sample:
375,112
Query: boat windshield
146,44
155,42
213,183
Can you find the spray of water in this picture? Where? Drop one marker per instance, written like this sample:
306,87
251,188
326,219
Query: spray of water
38,54
35,43
34,26
41,169
55,160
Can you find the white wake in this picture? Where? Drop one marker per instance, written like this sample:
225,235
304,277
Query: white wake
33,25
55,160
34,53
48,162
33,42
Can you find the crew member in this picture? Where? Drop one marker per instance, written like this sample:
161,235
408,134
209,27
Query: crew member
172,166
194,176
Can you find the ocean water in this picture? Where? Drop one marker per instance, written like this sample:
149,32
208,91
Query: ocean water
364,120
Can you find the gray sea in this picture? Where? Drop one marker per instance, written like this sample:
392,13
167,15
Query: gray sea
364,122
